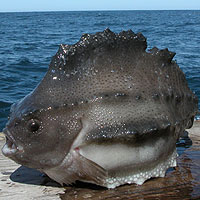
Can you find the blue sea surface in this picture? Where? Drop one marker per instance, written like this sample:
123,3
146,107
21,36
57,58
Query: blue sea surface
29,40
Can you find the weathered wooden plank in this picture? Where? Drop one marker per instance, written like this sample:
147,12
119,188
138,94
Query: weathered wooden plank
182,183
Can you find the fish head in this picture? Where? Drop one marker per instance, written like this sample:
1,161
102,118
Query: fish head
38,137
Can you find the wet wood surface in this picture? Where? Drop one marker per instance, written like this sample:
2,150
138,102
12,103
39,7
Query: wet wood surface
18,182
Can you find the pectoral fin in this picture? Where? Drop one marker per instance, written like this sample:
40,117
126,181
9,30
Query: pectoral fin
76,167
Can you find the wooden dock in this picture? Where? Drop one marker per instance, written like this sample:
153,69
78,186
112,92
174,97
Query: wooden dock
18,182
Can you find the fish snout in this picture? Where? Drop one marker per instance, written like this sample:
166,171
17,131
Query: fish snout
10,148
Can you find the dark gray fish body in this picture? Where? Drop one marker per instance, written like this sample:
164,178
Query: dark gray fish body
106,112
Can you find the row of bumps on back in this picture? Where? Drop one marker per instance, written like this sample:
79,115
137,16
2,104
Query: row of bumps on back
169,85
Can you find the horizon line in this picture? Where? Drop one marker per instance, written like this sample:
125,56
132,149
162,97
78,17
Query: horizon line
91,10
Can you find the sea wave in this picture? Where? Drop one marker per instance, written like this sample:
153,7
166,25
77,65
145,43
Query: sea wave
4,111
24,61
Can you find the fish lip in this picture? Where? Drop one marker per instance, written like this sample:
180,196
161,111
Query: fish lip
10,148
9,136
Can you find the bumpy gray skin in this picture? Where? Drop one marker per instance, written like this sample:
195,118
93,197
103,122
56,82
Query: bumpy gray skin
107,112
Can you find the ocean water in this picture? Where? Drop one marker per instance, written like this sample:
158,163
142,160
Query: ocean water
29,40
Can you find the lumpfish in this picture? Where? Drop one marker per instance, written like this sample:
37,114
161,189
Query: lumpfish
108,111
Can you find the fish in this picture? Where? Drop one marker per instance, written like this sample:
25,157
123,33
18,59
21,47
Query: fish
108,111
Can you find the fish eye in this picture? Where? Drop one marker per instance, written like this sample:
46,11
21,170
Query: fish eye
33,125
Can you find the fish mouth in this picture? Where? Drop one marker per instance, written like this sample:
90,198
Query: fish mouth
10,148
